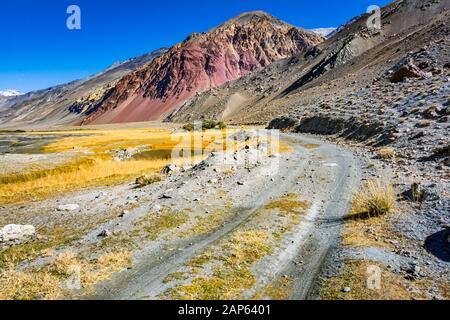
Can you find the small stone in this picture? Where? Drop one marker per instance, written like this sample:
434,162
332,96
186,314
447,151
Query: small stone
68,207
170,169
104,234
124,213
346,290
240,183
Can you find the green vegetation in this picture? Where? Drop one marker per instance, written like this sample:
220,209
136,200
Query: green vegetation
206,125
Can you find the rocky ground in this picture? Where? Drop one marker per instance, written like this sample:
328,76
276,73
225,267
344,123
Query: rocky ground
400,122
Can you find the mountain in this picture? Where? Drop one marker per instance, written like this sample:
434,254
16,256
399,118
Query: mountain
65,103
9,93
352,58
202,62
324,32
7,97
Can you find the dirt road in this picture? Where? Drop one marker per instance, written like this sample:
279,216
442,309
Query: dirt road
323,175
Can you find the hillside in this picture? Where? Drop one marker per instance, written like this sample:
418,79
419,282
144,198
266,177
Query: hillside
64,104
349,60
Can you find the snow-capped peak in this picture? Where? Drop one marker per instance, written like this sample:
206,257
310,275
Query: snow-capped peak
10,93
324,32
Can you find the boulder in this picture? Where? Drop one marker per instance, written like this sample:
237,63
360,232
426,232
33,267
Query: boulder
15,232
406,71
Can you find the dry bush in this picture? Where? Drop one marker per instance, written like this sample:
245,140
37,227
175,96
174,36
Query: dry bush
146,180
386,153
374,200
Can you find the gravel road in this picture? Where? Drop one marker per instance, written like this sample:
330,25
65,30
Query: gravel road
323,174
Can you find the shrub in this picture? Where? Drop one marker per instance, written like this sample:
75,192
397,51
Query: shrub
386,153
206,125
189,127
374,200
146,180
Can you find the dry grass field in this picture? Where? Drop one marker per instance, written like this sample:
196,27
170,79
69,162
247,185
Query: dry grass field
94,163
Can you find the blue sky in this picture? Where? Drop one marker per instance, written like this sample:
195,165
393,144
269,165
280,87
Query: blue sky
37,50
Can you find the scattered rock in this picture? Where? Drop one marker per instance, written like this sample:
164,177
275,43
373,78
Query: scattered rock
126,154
346,290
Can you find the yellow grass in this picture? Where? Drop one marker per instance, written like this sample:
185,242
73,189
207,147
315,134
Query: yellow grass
235,275
98,168
368,233
48,283
207,223
154,226
92,172
95,165
280,289
374,200
18,285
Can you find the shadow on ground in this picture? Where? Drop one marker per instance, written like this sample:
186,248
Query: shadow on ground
438,245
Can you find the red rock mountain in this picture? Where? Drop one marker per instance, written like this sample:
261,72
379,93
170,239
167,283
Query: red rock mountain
203,61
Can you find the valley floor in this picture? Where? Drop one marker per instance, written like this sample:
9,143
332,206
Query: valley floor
274,228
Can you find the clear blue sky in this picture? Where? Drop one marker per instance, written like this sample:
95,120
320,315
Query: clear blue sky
38,51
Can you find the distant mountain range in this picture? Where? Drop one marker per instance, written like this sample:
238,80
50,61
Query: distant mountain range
10,93
241,71
151,88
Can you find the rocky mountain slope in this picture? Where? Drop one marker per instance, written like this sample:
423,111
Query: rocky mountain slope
200,63
350,59
7,97
65,103
9,93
